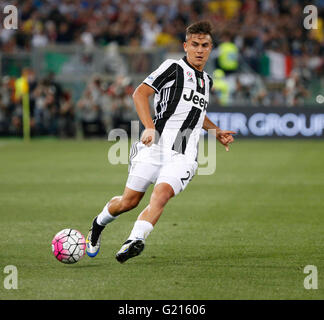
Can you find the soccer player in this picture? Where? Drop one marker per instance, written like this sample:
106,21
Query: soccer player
166,154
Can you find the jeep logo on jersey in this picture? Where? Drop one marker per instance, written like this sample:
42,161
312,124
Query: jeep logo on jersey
201,102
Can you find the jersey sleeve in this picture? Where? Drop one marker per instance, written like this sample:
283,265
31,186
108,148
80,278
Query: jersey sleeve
163,74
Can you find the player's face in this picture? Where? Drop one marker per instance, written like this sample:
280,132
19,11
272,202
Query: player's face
198,48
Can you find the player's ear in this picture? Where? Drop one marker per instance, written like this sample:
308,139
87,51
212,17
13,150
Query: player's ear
185,46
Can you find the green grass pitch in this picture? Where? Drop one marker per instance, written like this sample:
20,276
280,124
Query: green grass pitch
245,232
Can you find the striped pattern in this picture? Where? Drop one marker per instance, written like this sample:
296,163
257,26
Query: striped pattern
186,129
174,98
166,76
132,154
210,81
163,103
182,95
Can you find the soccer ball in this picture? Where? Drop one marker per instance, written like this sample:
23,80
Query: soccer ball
68,246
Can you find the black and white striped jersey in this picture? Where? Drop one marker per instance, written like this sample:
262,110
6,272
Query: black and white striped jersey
180,103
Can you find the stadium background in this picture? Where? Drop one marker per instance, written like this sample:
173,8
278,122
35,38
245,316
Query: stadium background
83,60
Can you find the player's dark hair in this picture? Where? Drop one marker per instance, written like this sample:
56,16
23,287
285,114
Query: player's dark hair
200,27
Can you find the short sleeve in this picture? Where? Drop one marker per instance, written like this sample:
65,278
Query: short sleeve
164,73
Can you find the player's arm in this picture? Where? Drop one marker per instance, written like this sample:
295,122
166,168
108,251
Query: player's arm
223,136
141,97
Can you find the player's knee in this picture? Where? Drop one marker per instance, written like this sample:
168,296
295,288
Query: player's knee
129,204
160,198
116,198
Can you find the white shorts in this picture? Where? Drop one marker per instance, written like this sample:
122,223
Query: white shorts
149,165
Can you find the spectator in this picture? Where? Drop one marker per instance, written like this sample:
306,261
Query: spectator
51,31
220,87
227,55
46,109
89,109
66,117
64,33
295,92
150,30
39,38
54,86
253,28
241,94
47,106
167,38
255,24
52,111
123,111
4,116
6,105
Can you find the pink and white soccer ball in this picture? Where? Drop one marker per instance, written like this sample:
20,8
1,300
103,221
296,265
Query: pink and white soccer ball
68,246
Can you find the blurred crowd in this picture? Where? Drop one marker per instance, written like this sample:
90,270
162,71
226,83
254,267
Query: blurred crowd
51,108
103,106
253,40
254,25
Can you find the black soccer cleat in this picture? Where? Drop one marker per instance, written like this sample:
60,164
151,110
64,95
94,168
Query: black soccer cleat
93,239
130,249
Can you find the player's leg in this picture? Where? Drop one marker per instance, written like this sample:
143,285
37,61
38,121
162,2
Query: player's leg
173,178
134,245
161,194
117,205
141,175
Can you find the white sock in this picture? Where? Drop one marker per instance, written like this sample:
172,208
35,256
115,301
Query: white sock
105,217
141,230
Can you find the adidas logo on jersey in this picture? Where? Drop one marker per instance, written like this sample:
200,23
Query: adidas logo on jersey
196,100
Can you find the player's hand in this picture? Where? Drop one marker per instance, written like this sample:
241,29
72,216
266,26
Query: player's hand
225,138
148,136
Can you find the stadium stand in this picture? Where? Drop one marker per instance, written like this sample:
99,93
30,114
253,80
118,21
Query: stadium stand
276,62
